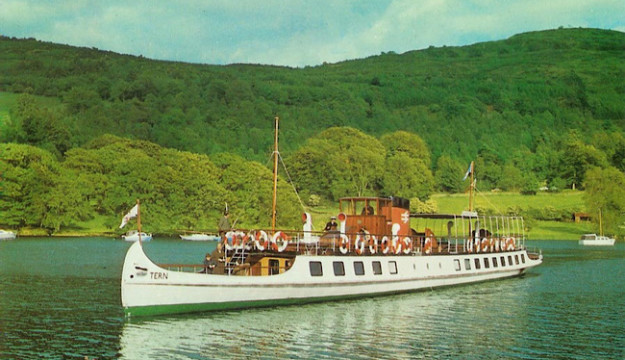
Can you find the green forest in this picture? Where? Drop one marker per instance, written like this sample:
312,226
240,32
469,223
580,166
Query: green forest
85,132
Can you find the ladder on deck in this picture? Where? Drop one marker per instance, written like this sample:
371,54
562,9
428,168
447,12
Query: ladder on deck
238,257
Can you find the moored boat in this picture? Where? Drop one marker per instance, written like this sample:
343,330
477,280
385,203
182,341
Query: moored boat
199,237
133,235
596,240
383,249
6,235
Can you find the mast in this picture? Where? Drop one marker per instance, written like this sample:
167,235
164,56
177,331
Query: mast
600,224
139,219
471,185
275,177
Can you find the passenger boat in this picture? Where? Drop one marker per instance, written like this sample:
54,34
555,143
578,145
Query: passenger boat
6,235
386,250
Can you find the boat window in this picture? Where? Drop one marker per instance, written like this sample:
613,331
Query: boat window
467,264
315,268
510,260
494,261
274,266
523,258
516,259
486,263
359,268
477,264
339,268
377,268
457,264
392,267
503,260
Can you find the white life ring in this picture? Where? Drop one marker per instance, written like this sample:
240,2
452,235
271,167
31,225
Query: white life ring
234,240
385,243
469,245
427,246
373,245
261,240
249,239
397,245
407,245
510,244
359,244
279,236
344,245
485,244
477,244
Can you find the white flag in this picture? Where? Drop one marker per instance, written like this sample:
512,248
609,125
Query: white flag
131,214
469,171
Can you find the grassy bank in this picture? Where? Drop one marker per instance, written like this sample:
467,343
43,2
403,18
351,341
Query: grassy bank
499,202
446,203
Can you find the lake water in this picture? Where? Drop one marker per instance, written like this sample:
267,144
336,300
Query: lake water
60,299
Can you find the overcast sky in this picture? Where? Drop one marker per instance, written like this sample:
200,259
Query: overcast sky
291,32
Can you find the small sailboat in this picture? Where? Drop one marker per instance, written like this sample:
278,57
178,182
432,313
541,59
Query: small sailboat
597,240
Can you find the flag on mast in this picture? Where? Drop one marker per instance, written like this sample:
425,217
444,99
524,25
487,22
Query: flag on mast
469,171
131,214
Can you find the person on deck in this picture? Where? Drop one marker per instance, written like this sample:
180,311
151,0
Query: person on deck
367,210
331,225
224,224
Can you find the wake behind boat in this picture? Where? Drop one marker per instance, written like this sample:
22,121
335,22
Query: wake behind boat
383,249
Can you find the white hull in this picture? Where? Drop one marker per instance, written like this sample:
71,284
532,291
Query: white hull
135,237
6,235
149,289
199,237
598,242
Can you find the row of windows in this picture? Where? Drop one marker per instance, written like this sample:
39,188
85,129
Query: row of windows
488,262
376,266
359,268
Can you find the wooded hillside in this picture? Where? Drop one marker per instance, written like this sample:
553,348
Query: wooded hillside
537,109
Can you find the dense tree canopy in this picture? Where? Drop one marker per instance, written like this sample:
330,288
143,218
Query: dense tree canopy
526,109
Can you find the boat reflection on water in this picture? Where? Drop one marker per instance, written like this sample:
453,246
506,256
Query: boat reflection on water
439,324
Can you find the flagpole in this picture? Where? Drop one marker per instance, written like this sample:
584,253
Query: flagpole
472,169
139,219
275,178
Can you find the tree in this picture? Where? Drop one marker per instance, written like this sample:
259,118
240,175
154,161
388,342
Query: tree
407,177
340,161
406,143
449,174
511,178
577,158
